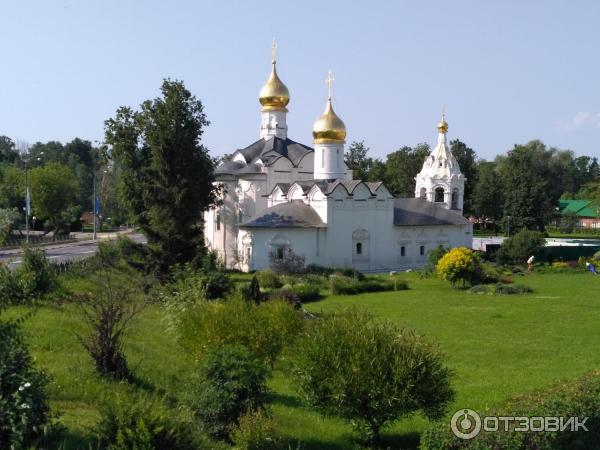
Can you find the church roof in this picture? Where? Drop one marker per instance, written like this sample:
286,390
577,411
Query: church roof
418,211
267,151
294,214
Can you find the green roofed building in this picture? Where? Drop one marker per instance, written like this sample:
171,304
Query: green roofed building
586,212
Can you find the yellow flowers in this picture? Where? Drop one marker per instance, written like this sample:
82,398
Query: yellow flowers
459,265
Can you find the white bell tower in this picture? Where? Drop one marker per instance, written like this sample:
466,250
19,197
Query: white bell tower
440,180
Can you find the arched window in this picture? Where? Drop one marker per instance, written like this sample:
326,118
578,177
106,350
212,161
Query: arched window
337,164
403,251
359,248
279,252
422,250
218,222
439,195
423,193
322,158
454,199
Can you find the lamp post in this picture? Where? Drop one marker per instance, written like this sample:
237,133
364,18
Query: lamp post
508,220
27,196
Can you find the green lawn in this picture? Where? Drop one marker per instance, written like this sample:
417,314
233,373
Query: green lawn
498,346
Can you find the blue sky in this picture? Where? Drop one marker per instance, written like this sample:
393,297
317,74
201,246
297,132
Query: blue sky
507,71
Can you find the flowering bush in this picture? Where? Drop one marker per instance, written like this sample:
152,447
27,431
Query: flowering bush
460,266
24,408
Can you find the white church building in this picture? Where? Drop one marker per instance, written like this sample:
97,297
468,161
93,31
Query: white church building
282,196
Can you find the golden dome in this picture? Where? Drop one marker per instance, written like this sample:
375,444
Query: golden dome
443,125
274,94
329,127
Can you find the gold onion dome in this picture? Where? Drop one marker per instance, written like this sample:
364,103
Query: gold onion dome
443,125
329,127
274,94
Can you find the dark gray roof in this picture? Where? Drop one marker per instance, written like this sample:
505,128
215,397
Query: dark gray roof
294,214
270,150
416,211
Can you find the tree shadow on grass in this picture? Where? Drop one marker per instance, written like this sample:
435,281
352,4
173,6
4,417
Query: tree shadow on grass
285,400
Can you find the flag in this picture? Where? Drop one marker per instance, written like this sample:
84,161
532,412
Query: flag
27,203
96,206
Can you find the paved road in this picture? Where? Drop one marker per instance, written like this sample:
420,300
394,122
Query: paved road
63,252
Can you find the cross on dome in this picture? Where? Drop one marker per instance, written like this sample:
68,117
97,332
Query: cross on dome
274,51
329,80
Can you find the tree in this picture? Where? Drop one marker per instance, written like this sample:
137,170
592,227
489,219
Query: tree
519,247
9,218
8,151
53,190
466,158
401,168
370,372
530,186
357,160
488,194
12,188
460,266
167,175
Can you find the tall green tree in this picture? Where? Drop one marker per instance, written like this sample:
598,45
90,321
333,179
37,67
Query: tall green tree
167,174
401,168
358,161
467,161
53,189
528,177
12,188
8,150
488,194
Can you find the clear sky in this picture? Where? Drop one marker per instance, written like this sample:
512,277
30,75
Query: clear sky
507,71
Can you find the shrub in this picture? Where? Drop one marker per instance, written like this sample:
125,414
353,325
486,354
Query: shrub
215,285
580,398
460,266
252,293
107,313
12,291
268,279
518,248
369,372
300,292
263,329
287,263
37,275
340,285
316,269
256,431
24,407
230,382
433,257
8,221
501,289
596,256
141,423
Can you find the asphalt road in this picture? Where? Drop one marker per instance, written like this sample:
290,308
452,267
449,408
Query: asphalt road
63,252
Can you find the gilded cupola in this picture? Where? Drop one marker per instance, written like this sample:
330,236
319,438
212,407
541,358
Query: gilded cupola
274,95
329,128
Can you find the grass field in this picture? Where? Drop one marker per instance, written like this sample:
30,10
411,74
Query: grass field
497,346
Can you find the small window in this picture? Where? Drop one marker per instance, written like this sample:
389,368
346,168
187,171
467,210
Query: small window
279,252
422,250
403,251
423,193
455,199
248,251
337,163
359,248
439,195
240,216
322,158
218,222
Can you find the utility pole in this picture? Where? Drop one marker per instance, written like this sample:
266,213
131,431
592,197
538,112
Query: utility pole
94,200
27,204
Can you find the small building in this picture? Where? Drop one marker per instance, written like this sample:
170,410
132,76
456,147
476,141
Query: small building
586,213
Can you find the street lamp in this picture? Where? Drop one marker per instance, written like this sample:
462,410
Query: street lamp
508,222
27,196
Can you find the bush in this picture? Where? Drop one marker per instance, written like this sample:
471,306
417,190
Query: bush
518,248
215,285
268,279
432,259
341,285
24,407
12,291
287,264
143,424
299,293
580,398
501,289
460,266
252,293
263,329
107,313
9,218
37,275
230,382
256,431
369,372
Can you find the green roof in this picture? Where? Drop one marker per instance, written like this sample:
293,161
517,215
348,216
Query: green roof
580,208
